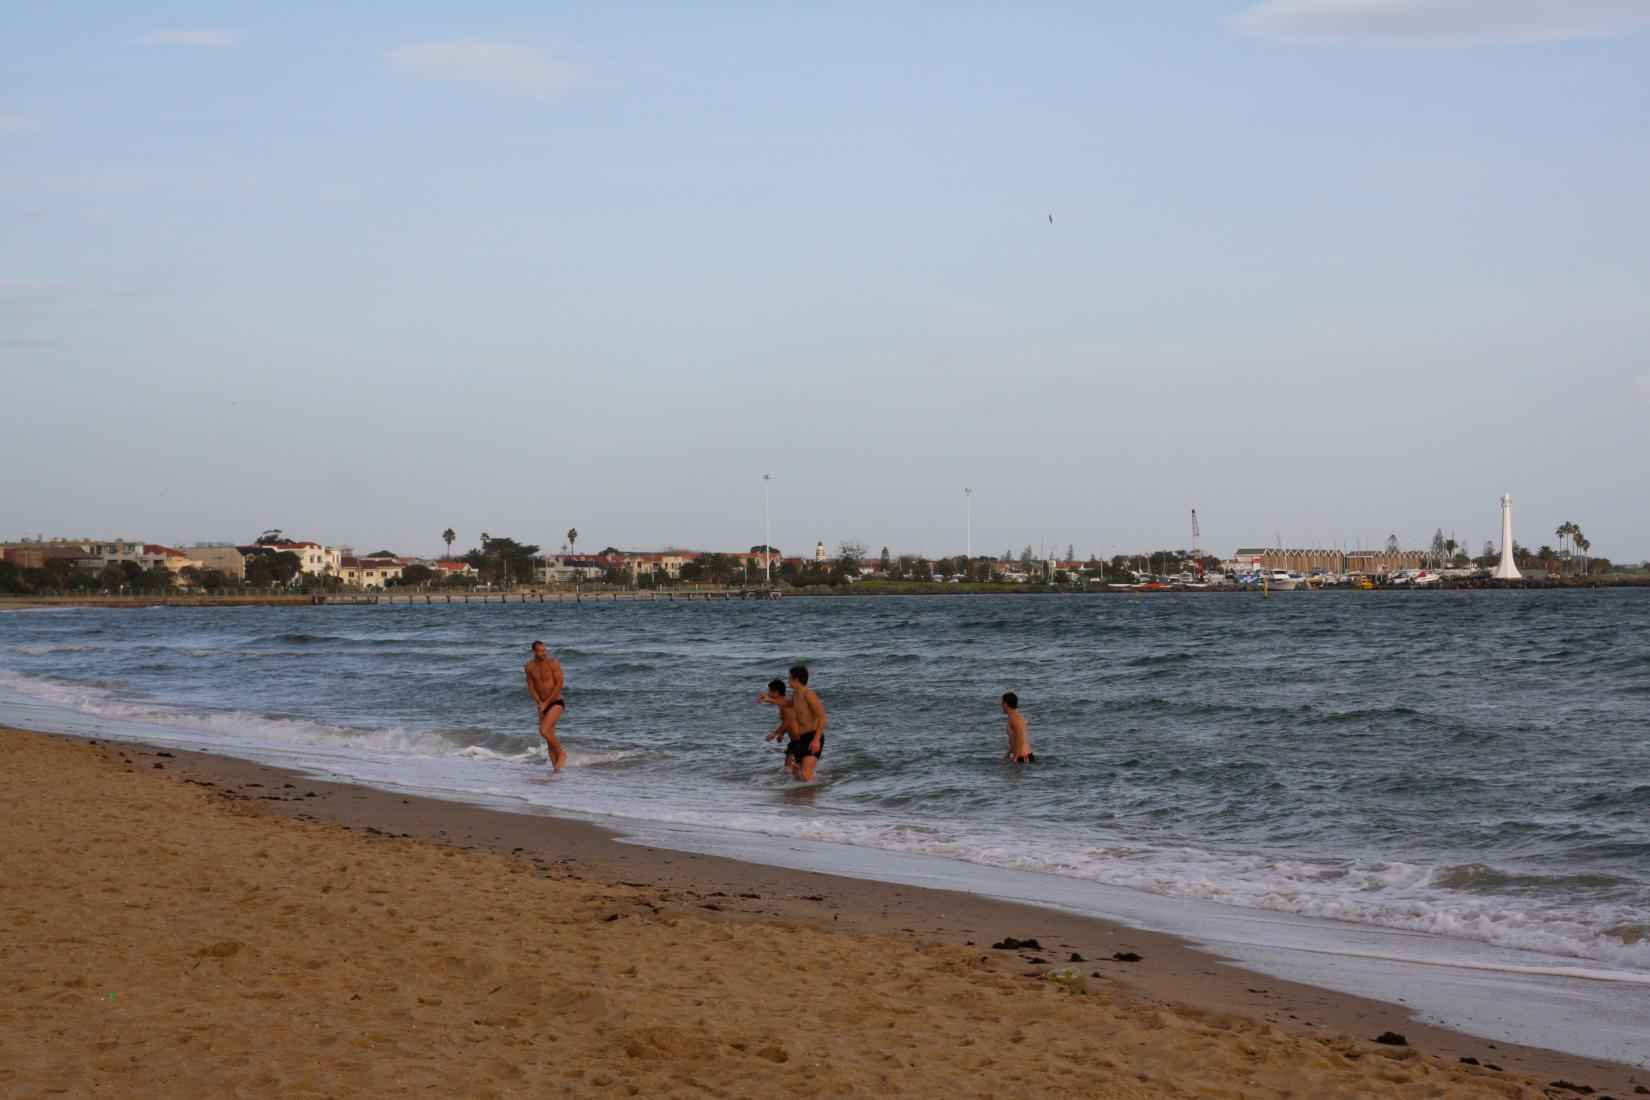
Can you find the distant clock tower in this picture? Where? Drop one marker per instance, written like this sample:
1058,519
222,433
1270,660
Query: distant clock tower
819,552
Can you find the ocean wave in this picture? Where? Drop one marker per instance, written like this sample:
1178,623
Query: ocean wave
225,727
1152,660
1480,876
576,757
1385,894
1634,799
630,666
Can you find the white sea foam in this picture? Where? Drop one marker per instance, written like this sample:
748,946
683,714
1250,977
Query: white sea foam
225,728
1393,895
479,752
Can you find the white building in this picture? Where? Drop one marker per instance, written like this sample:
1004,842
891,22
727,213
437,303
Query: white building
369,572
566,568
321,561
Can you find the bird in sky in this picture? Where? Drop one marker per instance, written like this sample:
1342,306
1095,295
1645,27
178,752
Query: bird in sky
1051,219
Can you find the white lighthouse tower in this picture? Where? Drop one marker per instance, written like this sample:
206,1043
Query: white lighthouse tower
1507,571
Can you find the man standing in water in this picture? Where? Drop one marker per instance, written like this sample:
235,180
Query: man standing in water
808,716
1019,741
544,680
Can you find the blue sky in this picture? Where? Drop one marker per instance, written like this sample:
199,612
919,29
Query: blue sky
1324,270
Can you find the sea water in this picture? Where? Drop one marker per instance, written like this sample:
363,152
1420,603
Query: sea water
1472,766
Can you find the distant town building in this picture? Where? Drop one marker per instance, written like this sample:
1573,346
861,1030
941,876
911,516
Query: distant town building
86,553
567,568
225,557
369,572
1371,562
164,557
1376,563
313,558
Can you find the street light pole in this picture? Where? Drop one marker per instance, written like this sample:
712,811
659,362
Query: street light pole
767,533
968,524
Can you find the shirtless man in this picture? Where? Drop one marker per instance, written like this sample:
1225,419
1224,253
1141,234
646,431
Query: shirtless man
808,718
544,680
776,697
1019,742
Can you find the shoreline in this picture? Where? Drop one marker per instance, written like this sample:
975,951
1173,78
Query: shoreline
398,597
1171,975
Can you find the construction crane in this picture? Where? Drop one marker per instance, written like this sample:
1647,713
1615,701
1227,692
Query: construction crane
1197,545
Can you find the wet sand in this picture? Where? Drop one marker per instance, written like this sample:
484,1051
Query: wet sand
212,927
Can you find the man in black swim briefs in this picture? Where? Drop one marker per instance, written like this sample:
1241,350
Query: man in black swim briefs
545,681
809,718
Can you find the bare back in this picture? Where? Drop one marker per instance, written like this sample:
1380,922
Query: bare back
1019,742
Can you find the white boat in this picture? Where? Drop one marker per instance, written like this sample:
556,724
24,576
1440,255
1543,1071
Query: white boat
1282,580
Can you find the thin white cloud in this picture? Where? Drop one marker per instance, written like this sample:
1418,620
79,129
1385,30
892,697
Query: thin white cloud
217,37
55,290
16,124
1442,22
493,64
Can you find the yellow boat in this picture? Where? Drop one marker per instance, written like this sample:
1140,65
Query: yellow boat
1362,583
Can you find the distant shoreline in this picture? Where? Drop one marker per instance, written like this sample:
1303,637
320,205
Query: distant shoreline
646,595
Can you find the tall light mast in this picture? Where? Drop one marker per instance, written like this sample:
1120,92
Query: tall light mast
1197,544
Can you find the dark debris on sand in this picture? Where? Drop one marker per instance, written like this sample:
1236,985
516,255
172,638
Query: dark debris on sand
1009,943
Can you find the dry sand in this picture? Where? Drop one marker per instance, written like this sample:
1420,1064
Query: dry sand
210,928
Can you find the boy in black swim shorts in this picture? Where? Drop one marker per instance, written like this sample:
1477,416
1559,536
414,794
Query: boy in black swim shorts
776,697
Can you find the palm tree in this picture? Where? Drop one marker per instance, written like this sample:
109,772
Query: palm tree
447,537
1583,544
716,568
573,540
1564,532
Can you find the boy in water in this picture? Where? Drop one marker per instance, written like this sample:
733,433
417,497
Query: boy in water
787,718
808,716
545,680
1019,742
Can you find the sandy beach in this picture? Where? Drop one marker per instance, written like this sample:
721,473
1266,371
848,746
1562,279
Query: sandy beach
186,925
